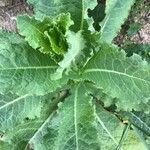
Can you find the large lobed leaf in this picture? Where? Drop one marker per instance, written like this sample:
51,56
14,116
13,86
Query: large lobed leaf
75,126
116,13
20,117
73,130
24,70
126,79
16,109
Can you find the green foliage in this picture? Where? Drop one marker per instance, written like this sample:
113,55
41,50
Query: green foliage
27,74
77,9
48,36
134,28
63,87
116,13
140,120
120,77
141,49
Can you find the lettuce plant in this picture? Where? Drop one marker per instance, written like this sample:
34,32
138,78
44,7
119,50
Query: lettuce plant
65,86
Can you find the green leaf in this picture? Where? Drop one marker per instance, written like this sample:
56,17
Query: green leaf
141,49
73,127
22,117
47,35
77,129
125,79
77,9
29,135
82,45
23,121
16,109
76,125
24,70
34,32
116,12
134,28
139,120
110,130
76,45
18,138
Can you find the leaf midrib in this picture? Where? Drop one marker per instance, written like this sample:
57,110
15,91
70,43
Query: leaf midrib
14,101
75,118
115,72
43,125
29,68
105,128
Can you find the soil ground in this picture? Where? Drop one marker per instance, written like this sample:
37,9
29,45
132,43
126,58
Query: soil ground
9,9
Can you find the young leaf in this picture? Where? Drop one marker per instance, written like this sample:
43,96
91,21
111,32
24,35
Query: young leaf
82,45
48,35
34,32
77,9
76,45
24,70
126,79
116,12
